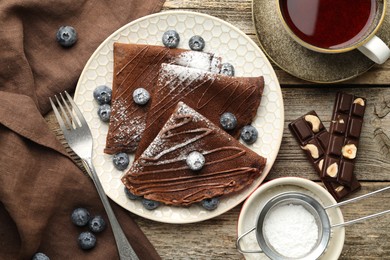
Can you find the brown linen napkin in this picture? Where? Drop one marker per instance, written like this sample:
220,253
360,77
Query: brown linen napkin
39,184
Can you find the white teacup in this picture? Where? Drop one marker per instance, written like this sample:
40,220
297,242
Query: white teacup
336,26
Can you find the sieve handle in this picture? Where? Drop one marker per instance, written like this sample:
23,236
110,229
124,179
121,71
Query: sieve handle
357,198
361,219
243,251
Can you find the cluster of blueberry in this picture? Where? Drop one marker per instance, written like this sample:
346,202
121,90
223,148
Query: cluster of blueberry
81,218
248,133
228,121
102,95
86,240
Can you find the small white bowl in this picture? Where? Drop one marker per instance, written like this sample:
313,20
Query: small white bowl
256,201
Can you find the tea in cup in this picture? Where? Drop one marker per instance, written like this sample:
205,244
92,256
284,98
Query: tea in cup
336,26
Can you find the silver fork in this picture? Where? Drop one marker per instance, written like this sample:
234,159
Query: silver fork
79,137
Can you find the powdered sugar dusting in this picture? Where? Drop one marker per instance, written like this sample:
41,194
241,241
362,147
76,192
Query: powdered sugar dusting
159,144
170,74
125,124
195,59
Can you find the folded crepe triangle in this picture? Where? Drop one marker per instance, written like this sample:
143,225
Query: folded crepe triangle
161,173
136,66
208,93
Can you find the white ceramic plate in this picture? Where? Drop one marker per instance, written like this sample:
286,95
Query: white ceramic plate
256,201
222,39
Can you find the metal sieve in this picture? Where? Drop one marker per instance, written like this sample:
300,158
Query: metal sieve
312,206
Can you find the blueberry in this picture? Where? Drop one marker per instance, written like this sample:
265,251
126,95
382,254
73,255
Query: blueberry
210,204
171,39
97,224
141,96
87,240
150,204
131,195
249,134
40,256
228,121
195,160
121,161
104,112
80,217
196,43
227,69
102,94
66,36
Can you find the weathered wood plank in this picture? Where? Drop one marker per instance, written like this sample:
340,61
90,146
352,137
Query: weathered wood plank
373,163
215,238
239,13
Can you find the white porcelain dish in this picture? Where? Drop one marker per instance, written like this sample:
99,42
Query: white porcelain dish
224,40
256,201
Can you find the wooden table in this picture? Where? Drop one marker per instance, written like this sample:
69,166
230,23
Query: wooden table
215,238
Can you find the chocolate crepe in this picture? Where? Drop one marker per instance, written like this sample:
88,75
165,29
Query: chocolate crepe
135,66
39,184
208,93
161,172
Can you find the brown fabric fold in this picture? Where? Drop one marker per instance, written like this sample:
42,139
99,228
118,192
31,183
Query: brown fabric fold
39,184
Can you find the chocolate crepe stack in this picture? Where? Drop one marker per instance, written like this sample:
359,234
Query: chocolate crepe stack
161,172
208,93
135,66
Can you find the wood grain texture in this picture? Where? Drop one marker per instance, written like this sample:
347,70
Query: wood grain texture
215,238
239,13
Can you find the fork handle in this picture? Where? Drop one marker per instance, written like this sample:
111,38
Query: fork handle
124,248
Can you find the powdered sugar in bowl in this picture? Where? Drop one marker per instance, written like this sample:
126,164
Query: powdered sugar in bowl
302,227
291,225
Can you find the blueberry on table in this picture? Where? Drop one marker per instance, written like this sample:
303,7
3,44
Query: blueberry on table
150,204
171,39
141,96
195,160
130,195
80,217
87,240
227,69
196,43
97,224
121,161
102,94
210,204
40,256
66,36
249,134
228,121
104,112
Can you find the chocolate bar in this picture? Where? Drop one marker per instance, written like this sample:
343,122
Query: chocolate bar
345,129
312,136
339,191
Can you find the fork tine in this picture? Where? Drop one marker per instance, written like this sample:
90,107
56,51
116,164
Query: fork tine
58,115
75,121
77,110
68,123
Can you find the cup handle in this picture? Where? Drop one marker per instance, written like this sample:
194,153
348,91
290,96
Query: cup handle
376,50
